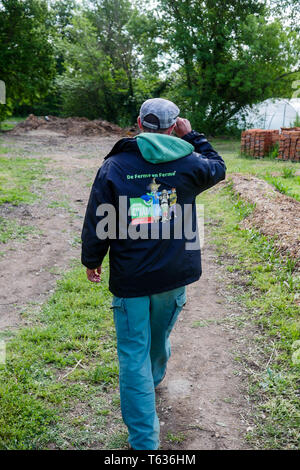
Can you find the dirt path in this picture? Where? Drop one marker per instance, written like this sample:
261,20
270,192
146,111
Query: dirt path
29,269
201,402
204,386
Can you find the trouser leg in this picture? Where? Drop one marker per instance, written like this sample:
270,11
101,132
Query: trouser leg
132,320
164,310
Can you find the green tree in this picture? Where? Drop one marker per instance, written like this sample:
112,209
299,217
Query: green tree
115,23
59,26
105,71
287,11
228,55
91,86
26,53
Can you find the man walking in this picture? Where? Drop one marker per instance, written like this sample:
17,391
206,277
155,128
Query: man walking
152,257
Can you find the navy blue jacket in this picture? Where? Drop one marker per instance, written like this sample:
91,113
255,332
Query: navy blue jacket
140,267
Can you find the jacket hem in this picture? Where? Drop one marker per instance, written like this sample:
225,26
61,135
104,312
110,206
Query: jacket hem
158,290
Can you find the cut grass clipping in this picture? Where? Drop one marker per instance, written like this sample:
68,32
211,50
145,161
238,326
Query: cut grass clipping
57,388
268,286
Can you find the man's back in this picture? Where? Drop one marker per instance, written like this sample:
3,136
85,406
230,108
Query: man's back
152,249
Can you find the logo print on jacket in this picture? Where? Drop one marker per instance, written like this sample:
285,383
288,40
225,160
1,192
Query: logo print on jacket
153,206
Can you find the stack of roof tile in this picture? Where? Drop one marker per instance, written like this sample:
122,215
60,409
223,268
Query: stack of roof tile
289,144
258,142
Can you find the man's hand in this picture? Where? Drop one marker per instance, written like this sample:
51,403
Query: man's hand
93,275
182,127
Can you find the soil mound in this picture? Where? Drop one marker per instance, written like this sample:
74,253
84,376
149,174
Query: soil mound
72,126
275,215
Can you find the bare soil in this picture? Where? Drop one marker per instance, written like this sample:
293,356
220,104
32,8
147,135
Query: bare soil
29,269
201,402
70,126
203,398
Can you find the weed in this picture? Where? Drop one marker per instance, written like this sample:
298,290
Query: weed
105,374
199,324
278,184
59,204
288,172
296,123
175,438
76,241
274,152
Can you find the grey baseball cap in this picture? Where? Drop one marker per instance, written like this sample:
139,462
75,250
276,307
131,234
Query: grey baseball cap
163,110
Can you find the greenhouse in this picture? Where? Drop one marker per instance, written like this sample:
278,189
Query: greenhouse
271,114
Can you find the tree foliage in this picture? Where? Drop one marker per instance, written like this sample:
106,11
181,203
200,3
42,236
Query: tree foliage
91,85
287,11
102,58
228,54
26,54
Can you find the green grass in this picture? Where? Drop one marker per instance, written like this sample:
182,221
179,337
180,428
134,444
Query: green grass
280,174
59,204
18,176
10,123
176,438
58,383
268,286
11,230
20,182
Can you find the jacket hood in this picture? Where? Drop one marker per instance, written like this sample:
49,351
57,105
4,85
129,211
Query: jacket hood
161,148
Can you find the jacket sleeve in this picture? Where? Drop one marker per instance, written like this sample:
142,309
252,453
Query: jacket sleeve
211,167
94,249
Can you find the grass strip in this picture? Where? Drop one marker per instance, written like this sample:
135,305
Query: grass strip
268,287
58,385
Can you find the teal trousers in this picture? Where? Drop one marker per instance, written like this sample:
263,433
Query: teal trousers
143,326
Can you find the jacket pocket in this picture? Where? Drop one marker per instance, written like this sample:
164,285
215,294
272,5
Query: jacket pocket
117,302
180,301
